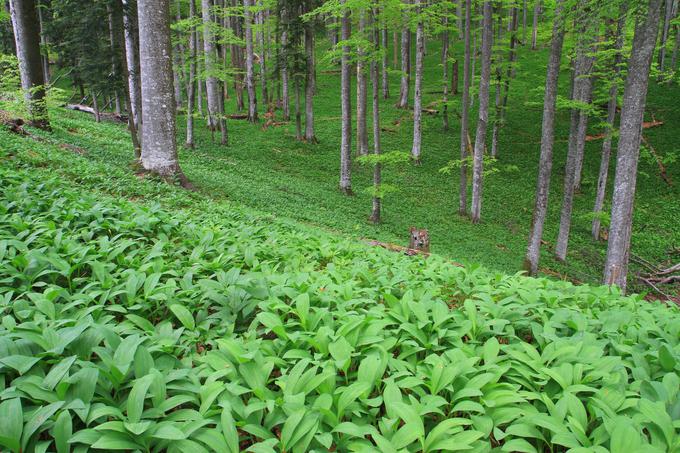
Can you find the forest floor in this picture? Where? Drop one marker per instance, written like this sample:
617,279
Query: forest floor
272,172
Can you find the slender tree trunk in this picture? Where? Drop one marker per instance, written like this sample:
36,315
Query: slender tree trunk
534,28
474,60
676,48
95,108
465,115
43,43
212,87
524,22
298,114
611,116
159,148
310,82
362,91
250,75
459,14
499,80
628,151
263,57
284,67
385,75
402,103
454,77
191,82
119,27
395,50
375,212
346,87
445,73
418,90
483,119
113,42
498,125
547,141
27,39
664,37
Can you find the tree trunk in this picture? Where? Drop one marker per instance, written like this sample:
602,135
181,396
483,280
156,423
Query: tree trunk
454,77
191,82
628,151
212,87
498,125
445,73
664,37
676,48
362,91
284,68
611,116
310,82
385,75
459,14
43,43
418,90
483,119
119,26
27,39
402,103
298,114
395,50
250,75
534,28
375,212
465,115
474,60
524,22
547,140
499,79
582,90
263,57
95,108
159,148
346,87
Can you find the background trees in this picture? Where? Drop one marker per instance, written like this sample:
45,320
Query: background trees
272,48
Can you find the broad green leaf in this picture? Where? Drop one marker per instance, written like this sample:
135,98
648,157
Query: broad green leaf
11,423
183,315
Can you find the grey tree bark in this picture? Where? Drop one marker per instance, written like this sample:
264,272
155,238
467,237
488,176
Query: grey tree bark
534,27
377,177
263,56
132,59
524,21
211,84
284,67
395,50
483,119
346,87
547,140
159,148
499,79
43,42
362,91
416,149
27,40
402,103
191,82
310,82
385,75
664,36
113,41
582,90
676,48
611,116
628,150
510,73
459,14
465,115
250,74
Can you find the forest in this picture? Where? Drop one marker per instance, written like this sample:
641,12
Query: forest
339,225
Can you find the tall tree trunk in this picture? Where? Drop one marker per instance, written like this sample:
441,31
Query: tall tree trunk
483,119
263,57
191,82
418,89
346,87
212,87
385,75
95,108
465,115
676,48
310,81
547,140
27,39
237,59
250,75
454,77
113,42
524,21
298,114
498,84
284,66
362,90
628,151
395,50
611,116
43,42
375,212
459,14
402,103
534,28
474,60
119,27
664,36
498,125
159,148
445,73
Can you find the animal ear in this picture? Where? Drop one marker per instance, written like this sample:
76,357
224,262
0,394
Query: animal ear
412,229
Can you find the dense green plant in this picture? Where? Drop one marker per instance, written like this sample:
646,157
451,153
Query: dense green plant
128,327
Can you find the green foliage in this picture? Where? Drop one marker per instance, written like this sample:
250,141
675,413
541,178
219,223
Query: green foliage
130,327
389,158
491,166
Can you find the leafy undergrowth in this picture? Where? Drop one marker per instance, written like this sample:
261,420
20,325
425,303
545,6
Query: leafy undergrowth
130,327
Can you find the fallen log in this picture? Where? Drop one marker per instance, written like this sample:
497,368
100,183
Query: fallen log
14,125
238,116
103,115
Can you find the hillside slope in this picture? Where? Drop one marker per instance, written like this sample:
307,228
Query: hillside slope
195,325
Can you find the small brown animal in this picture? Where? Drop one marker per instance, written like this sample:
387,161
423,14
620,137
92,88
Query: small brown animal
419,240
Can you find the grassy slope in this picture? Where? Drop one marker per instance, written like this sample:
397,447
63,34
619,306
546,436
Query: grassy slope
272,172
